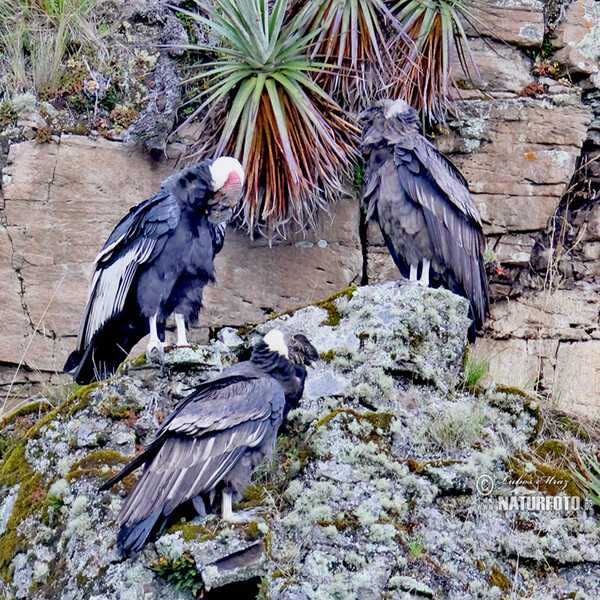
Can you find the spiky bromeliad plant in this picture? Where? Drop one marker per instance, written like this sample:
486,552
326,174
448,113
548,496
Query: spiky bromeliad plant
292,138
436,28
589,481
354,35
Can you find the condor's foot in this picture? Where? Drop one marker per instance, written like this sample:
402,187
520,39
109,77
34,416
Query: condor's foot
235,517
156,348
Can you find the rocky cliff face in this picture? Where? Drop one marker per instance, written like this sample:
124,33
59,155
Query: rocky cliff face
525,137
385,483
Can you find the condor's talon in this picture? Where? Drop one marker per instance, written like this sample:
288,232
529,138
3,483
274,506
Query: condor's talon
155,346
229,516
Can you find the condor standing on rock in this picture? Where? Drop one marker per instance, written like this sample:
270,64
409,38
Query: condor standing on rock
215,438
156,261
423,206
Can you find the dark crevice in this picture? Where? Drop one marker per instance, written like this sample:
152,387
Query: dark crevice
362,234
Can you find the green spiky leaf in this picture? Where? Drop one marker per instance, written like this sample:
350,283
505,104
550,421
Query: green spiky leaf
292,138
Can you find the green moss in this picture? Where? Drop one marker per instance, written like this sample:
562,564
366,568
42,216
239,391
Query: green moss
327,356
76,474
38,406
381,420
100,458
547,478
255,495
551,449
567,424
76,401
82,395
14,466
140,360
533,408
325,420
32,491
333,315
463,84
512,391
253,532
499,579
193,531
92,465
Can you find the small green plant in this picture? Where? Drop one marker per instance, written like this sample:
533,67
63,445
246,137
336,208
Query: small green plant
475,369
182,573
263,589
416,547
8,116
588,478
543,67
459,427
55,502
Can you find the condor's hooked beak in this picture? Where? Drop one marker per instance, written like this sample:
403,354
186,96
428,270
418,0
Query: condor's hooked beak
225,200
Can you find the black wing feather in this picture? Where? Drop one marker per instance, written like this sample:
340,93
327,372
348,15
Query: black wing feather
452,218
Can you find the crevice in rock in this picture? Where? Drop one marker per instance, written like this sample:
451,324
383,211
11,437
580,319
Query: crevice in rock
17,270
364,244
51,182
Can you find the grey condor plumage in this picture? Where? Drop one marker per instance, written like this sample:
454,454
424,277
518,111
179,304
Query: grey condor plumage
156,261
423,206
215,438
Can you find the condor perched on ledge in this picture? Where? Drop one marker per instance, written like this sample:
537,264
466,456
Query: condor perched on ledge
423,206
215,438
156,261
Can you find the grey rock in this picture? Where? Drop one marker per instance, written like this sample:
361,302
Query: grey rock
6,507
365,499
153,125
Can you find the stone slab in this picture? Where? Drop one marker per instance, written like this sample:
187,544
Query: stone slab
63,199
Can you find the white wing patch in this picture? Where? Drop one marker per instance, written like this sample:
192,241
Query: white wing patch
109,288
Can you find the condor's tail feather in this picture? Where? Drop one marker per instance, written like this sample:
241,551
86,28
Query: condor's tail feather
131,538
107,350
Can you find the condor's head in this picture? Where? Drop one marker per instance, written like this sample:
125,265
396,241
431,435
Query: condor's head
214,186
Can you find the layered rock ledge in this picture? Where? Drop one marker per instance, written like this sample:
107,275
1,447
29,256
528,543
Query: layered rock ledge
375,489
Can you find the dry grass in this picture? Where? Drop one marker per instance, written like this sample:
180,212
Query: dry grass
36,36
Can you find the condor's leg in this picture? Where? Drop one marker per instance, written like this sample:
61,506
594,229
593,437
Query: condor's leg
185,302
181,332
154,343
424,281
227,511
413,274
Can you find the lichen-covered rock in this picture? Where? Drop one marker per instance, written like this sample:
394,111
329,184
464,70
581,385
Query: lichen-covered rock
375,489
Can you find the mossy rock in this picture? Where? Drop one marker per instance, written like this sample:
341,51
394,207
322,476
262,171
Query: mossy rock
32,492
333,314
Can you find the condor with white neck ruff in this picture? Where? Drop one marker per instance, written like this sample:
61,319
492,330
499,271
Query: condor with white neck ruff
156,261
215,438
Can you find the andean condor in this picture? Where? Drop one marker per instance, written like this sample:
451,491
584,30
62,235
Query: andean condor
156,261
215,438
423,206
